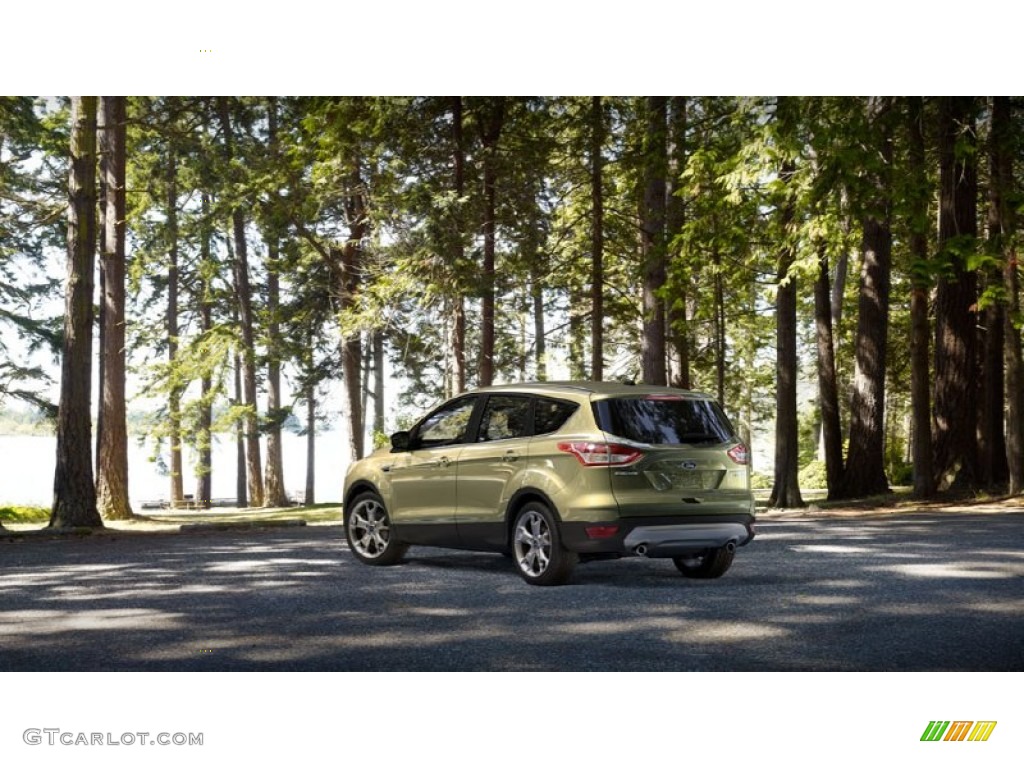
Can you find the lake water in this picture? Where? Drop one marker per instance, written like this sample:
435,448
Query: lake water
27,465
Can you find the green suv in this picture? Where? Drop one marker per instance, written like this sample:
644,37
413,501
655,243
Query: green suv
557,473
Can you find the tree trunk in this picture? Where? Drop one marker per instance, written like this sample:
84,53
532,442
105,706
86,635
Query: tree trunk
74,494
828,390
719,325
491,124
174,398
992,439
865,462
243,293
597,132
1004,227
204,468
241,467
864,474
378,382
677,323
458,254
920,375
112,477
350,260
652,249
577,334
955,447
275,494
310,497
786,488
540,343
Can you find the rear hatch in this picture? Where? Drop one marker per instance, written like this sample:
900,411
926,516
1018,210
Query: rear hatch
688,459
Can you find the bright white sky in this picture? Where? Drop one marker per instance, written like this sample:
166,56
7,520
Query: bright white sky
541,46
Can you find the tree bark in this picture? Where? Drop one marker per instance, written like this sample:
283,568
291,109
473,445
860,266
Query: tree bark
274,489
865,462
350,261
491,124
458,252
310,497
786,488
378,382
992,446
275,494
540,343
74,494
1004,226
243,293
920,374
955,446
174,397
204,468
597,133
864,474
112,477
677,323
241,466
828,390
652,243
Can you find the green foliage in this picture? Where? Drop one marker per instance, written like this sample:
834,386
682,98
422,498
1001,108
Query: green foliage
26,422
19,514
299,166
812,475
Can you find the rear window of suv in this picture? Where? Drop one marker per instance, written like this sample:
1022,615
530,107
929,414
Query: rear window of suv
664,419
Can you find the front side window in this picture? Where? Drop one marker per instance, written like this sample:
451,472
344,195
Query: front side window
447,425
664,420
505,417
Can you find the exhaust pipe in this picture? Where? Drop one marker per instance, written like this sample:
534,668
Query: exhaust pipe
640,550
730,547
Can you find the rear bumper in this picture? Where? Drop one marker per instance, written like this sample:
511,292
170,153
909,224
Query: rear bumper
661,536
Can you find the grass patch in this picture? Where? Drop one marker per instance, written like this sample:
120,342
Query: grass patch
16,514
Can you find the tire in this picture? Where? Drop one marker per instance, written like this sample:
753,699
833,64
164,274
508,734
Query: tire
709,564
369,532
537,549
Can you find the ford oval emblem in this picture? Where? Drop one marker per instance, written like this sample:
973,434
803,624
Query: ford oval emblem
688,464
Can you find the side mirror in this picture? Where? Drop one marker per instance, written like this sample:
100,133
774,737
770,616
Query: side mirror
400,441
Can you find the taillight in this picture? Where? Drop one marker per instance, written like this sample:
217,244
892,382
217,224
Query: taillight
739,454
601,454
601,531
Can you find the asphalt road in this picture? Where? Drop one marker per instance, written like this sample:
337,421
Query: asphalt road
936,592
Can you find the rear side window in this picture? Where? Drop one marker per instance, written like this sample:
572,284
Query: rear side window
664,420
550,415
506,416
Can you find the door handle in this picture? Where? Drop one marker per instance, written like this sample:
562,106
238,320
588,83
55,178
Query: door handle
510,456
444,461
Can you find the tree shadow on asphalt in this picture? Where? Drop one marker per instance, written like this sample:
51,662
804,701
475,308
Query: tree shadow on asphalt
914,594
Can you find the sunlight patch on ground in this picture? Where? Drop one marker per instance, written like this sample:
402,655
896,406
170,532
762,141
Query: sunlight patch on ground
827,600
842,584
1010,607
35,622
956,570
832,549
726,632
238,566
443,612
621,627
